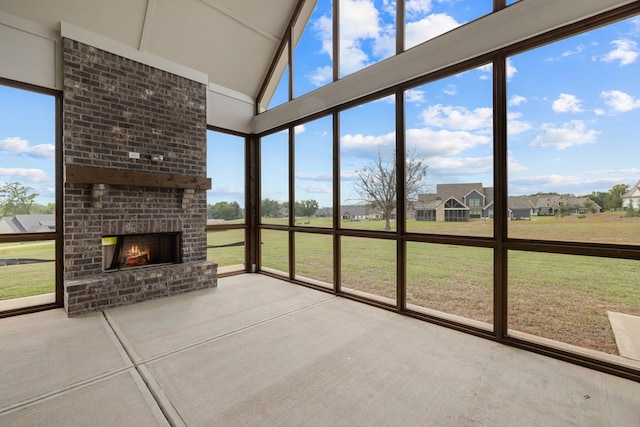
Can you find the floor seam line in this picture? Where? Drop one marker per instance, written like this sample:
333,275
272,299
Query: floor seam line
166,412
62,390
235,331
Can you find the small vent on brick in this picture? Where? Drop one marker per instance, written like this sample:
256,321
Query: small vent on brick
140,250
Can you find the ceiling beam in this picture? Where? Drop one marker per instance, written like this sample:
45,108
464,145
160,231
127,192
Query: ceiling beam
145,34
250,25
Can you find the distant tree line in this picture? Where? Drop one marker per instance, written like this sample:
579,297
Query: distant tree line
17,199
273,209
225,210
611,199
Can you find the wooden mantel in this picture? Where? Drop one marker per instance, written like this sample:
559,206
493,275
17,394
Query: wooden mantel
92,175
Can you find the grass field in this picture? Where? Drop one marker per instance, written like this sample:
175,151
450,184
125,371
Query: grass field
27,279
561,297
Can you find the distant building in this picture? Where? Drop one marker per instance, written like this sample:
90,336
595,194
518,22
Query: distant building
464,202
352,212
632,197
455,202
28,224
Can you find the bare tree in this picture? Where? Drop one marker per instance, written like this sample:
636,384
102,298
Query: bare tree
377,183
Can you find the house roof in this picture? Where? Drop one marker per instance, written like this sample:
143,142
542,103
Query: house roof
633,191
30,223
457,191
519,202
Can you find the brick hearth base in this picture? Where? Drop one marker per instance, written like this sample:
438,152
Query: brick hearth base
138,284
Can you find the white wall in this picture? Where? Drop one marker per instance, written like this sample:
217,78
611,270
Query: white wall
29,52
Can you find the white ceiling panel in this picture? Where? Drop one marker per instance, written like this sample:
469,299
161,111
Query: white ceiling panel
119,20
232,41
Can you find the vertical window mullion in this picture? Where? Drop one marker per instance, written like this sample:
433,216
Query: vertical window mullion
500,197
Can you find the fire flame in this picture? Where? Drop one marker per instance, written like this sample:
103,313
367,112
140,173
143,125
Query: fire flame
137,256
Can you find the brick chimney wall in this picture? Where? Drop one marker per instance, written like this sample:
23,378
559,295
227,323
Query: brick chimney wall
114,106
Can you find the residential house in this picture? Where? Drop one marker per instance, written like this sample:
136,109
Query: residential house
632,197
456,202
464,202
553,204
28,224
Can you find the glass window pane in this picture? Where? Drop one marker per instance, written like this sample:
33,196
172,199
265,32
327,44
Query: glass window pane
313,65
274,249
27,161
225,167
281,94
367,33
226,248
425,20
449,139
573,170
28,269
367,163
369,268
314,173
275,179
314,258
569,298
451,279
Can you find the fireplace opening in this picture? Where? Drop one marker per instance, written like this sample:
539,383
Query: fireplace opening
140,250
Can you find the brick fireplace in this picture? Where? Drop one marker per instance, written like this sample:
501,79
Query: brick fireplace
134,147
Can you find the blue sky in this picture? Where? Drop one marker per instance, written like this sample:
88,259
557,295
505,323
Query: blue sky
574,109
27,141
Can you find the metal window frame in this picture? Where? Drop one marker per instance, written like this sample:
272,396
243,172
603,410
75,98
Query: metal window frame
500,243
57,235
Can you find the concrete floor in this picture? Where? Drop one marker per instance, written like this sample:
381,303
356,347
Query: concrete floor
259,351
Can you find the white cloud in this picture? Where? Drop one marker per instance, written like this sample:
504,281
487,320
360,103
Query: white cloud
359,21
567,103
458,117
577,50
626,52
511,69
299,129
515,166
428,28
315,176
430,143
635,26
487,69
620,101
450,90
236,192
321,76
415,8
461,165
23,174
19,146
414,96
584,183
567,135
317,189
515,126
517,100
367,144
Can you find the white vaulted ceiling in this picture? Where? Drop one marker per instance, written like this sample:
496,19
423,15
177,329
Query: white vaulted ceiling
232,41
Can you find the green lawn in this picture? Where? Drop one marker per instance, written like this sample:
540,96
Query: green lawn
27,279
561,297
